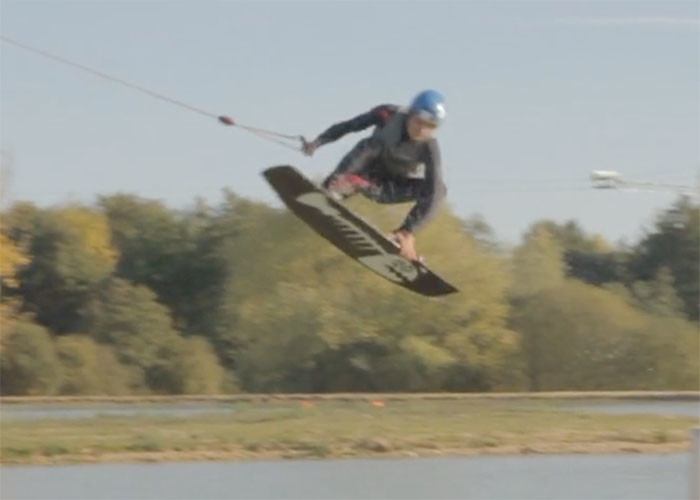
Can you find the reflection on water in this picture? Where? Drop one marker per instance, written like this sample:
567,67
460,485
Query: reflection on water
619,477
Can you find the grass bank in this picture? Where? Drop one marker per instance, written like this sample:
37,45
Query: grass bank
325,428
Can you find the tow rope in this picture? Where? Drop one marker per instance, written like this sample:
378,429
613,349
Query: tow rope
285,140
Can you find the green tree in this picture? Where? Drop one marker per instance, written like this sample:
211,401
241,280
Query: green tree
198,368
597,268
70,252
662,354
658,296
570,236
589,258
580,337
478,228
90,368
140,330
538,263
172,253
28,363
673,243
302,316
12,259
256,245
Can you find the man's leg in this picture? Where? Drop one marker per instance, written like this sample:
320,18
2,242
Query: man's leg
398,190
394,190
349,176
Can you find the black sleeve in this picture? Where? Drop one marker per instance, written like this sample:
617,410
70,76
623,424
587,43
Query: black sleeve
374,117
433,193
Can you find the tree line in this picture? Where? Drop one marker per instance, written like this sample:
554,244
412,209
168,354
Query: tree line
129,296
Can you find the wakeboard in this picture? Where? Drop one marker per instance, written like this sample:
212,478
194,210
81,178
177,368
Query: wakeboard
351,234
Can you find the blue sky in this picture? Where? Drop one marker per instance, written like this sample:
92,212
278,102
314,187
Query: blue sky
539,94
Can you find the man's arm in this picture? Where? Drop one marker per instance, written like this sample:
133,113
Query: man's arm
374,117
433,194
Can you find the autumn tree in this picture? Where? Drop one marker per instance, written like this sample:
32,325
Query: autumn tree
70,254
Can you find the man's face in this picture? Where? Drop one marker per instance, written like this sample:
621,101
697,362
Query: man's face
419,129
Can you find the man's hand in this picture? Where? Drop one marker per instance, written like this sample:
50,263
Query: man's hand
308,148
407,244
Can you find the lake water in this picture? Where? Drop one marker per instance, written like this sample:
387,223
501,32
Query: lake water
646,407
561,477
523,477
93,410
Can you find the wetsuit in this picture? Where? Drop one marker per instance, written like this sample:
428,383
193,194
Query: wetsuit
390,167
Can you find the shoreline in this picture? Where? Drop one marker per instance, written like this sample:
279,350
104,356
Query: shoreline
342,426
242,455
364,396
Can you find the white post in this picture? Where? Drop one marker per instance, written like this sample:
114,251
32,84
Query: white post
695,464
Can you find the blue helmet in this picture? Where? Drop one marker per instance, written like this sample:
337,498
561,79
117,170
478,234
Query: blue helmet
429,105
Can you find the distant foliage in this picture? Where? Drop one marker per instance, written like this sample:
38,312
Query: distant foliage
344,329
28,362
70,254
89,368
198,370
674,245
139,329
132,297
580,337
